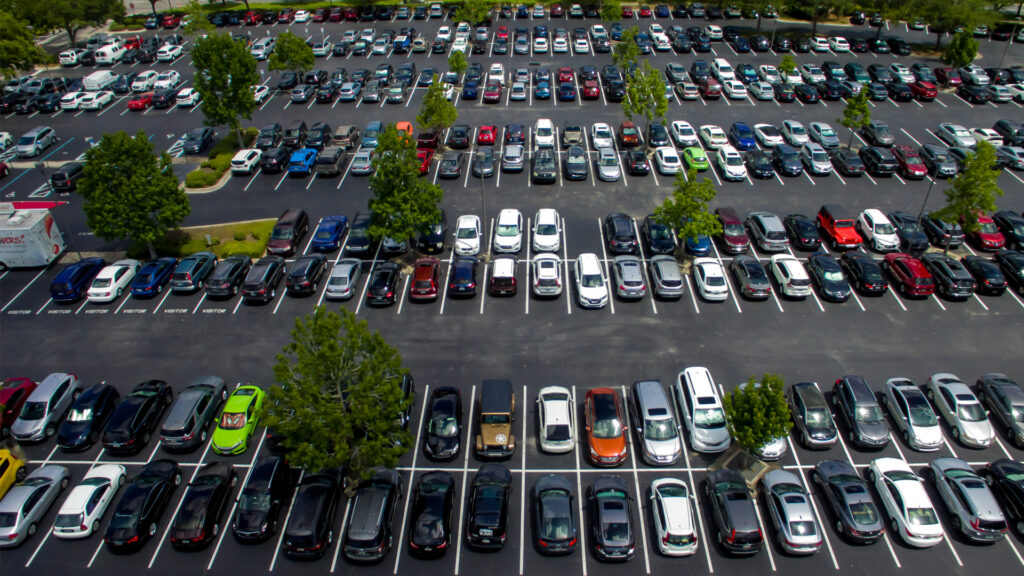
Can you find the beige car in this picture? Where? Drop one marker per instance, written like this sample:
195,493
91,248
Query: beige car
497,413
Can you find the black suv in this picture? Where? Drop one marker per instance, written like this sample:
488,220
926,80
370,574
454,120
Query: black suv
857,407
952,280
65,179
368,530
309,532
259,504
227,277
270,136
319,135
296,137
263,279
619,234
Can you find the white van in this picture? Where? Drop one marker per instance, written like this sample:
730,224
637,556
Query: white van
110,55
262,48
99,80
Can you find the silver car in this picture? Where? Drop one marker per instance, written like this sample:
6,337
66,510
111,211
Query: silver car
666,277
628,272
608,165
912,414
45,407
824,134
547,275
344,278
966,417
790,510
24,506
512,158
815,159
362,162
656,428
972,505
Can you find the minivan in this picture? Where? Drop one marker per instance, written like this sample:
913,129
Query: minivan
767,230
655,424
33,142
188,422
269,485
309,531
544,133
330,160
346,136
697,400
65,179
288,233
260,284
368,531
110,55
45,407
262,48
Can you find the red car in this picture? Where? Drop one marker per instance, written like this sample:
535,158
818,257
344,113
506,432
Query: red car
590,90
486,135
910,163
947,76
627,12
556,11
628,134
909,274
320,15
13,393
710,89
502,33
286,16
337,15
351,15
839,227
988,236
426,278
171,21
4,169
565,75
424,156
492,92
924,91
132,43
646,12
141,101
252,18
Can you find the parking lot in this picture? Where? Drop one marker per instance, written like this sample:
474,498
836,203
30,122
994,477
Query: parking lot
533,342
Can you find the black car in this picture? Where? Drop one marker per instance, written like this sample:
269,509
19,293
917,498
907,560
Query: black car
431,515
165,98
545,167
554,520
432,235
270,136
576,163
802,44
619,234
940,233
458,137
658,237
1006,480
807,93
197,140
487,517
782,44
295,137
657,135
811,417
383,284
65,179
325,94
226,279
876,91
310,527
987,276
939,162
202,508
259,504
1011,263
136,417
305,275
615,91
463,277
878,161
611,523
1011,225
49,102
912,239
89,415
442,426
952,280
803,232
855,513
827,275
846,161
735,518
973,93
900,92
359,243
864,272
786,160
368,529
898,46
760,164
142,503
637,163
260,284
750,277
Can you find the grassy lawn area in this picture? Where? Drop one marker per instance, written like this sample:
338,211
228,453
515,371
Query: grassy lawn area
249,238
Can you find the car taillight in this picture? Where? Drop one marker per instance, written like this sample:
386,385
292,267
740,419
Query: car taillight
188,276
13,536
442,545
390,293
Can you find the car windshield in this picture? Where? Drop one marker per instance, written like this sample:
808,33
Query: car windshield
987,228
443,426
609,160
81,415
922,415
922,517
608,428
970,412
819,156
868,414
592,281
546,230
495,419
664,429
508,230
709,418
467,233
33,411
232,421
101,283
281,233
819,416
884,228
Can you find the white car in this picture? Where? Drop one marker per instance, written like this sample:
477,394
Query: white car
713,31
144,81
902,73
508,231
795,133
912,414
591,284
878,230
710,280
1016,92
547,275
259,93
581,46
5,141
246,161
166,80
467,235
791,276
959,407
547,230
96,100
187,98
730,163
323,48
987,134
793,77
656,28
112,281
662,43
301,16
460,45
444,33
734,89
168,53
838,44
762,90
956,135
70,57
544,133
82,511
769,73
713,136
683,134
556,415
812,74
906,502
601,136
496,72
672,515
598,31
667,160
368,34
819,44
540,45
560,45
72,100
449,91
768,135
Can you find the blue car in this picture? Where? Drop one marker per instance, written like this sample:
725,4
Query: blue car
746,73
742,137
373,130
302,161
522,11
329,233
542,91
470,91
661,11
72,282
566,92
699,246
153,276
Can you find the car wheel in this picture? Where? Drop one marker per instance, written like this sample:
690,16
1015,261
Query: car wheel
815,477
234,291
152,529
216,530
930,395
119,292
906,438
895,526
234,481
64,483
145,438
852,437
223,395
95,526
273,293
202,437
839,526
871,475
50,430
1020,527
177,479
199,285
159,288
956,434
32,528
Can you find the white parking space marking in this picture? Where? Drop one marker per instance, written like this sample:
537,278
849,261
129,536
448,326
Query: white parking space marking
636,481
340,537
565,262
234,504
447,277
810,496
522,486
181,499
366,284
405,289
693,297
604,262
287,516
579,494
408,493
760,520
22,291
465,476
643,267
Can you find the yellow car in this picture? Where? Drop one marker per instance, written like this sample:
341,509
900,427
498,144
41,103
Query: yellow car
12,470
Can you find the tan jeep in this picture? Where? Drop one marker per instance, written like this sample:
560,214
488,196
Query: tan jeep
497,413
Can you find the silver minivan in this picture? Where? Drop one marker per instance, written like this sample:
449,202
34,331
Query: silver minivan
655,423
698,402
45,408
768,232
262,48
33,142
188,422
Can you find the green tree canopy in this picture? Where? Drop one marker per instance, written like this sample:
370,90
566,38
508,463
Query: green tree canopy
786,66
686,209
457,62
857,113
129,192
626,52
291,53
474,11
197,22
611,10
645,94
945,15
402,202
68,15
18,50
974,190
757,413
436,112
337,396
225,75
961,50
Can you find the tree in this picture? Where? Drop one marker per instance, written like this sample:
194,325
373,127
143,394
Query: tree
686,209
129,192
475,11
626,52
197,25
786,66
436,112
813,10
291,53
68,15
757,413
225,75
611,10
457,62
337,396
645,94
945,15
889,9
18,50
402,201
961,50
974,190
857,113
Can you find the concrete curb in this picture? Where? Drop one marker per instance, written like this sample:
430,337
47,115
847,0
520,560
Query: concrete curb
220,184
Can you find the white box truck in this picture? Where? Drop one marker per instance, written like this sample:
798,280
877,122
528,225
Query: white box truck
28,237
99,80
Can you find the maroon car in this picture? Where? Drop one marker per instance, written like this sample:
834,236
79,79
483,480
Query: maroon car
426,279
947,76
909,274
734,235
13,393
924,91
351,15
492,91
910,163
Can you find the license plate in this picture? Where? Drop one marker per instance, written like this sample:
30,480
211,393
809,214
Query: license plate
486,532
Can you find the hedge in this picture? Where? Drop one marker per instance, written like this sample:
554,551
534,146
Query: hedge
211,171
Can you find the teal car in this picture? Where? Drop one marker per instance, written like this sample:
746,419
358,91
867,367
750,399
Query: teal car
238,421
695,158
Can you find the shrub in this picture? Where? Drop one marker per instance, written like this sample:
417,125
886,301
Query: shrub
251,248
239,236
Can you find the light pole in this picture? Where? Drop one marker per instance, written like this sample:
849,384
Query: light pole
920,214
1009,41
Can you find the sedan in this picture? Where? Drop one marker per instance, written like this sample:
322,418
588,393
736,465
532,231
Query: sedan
383,284
432,502
152,277
856,515
136,417
789,507
487,514
986,273
955,135
112,281
362,163
803,232
555,526
823,134
88,416
713,136
443,424
767,135
25,505
463,276
576,163
82,511
141,505
199,517
736,525
696,159
912,414
864,273
611,523
827,275
667,160
1004,479
963,413
710,279
905,501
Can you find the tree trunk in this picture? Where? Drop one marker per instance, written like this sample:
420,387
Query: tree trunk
152,250
1019,6
759,20
849,145
152,4
247,5
238,133
938,40
72,31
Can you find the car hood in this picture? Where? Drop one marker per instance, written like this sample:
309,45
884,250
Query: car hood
251,521
442,447
495,433
873,431
27,427
978,431
73,433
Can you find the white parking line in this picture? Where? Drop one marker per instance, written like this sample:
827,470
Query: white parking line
636,482
579,492
366,284
447,278
465,476
565,261
760,520
810,497
184,490
401,300
643,267
22,291
287,516
604,262
162,300
522,489
340,537
693,297
408,493
234,504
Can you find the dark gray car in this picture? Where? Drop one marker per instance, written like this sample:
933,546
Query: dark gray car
368,533
1005,401
192,271
858,408
855,513
735,519
611,523
188,422
483,162
811,416
576,163
451,164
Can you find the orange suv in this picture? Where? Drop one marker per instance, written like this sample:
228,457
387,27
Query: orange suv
606,428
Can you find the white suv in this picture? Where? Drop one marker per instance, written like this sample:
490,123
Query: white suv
791,276
508,231
544,133
591,284
547,230
877,229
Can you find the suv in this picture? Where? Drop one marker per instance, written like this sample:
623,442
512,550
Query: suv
839,227
288,232
497,412
655,424
697,400
188,422
264,277
45,407
811,416
346,136
368,533
856,405
65,179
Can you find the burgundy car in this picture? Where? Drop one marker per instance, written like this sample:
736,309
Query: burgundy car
426,278
987,236
924,91
565,75
734,235
909,274
947,76
910,163
492,91
13,393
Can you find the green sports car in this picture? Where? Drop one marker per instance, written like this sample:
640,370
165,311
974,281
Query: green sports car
695,158
238,421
